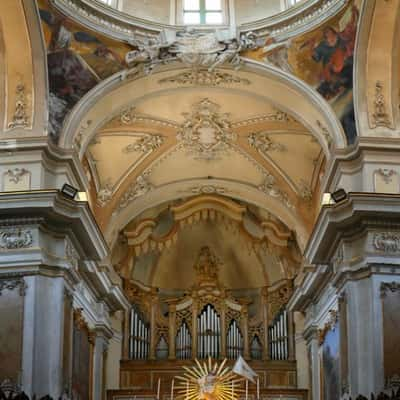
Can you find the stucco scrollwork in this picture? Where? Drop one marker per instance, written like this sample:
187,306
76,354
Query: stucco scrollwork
206,132
16,174
270,188
13,283
20,118
204,77
263,143
380,116
387,242
386,174
145,144
15,239
140,187
195,49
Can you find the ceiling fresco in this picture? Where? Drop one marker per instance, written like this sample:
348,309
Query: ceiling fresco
78,59
323,58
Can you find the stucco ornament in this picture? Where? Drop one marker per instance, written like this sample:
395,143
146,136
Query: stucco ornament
270,188
195,49
15,239
388,242
206,132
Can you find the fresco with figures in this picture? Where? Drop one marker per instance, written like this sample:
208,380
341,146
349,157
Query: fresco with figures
78,59
323,58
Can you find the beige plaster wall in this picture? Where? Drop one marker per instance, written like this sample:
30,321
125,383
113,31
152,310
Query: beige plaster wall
154,10
252,10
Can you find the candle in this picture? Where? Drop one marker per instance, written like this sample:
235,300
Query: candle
187,389
158,388
232,390
247,389
258,388
172,390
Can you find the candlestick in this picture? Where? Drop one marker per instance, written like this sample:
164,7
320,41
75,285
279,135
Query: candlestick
247,389
158,388
232,390
187,390
172,390
258,388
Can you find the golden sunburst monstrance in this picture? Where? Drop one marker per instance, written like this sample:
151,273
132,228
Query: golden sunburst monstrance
208,381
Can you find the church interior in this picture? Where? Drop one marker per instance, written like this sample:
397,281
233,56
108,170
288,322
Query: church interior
200,199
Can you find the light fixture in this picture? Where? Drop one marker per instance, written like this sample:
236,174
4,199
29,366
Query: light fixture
69,191
339,195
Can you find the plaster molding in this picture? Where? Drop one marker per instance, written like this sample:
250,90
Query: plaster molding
13,283
12,239
270,188
146,144
387,242
204,77
206,132
263,143
380,116
20,117
16,174
138,188
389,286
111,22
91,101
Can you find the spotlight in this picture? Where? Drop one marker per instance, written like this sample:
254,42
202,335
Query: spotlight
69,191
339,195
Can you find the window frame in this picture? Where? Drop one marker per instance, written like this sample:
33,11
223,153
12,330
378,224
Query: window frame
180,13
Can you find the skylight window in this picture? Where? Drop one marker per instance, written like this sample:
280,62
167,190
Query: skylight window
202,12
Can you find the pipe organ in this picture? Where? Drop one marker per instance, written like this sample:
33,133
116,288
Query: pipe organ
139,338
183,342
208,321
279,337
209,333
234,341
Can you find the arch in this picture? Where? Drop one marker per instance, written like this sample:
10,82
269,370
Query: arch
182,189
286,92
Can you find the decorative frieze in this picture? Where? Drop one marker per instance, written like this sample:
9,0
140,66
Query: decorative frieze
208,189
20,118
388,242
206,133
204,77
15,239
278,116
13,283
389,286
270,188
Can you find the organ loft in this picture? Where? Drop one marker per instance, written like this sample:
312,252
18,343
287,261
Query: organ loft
199,199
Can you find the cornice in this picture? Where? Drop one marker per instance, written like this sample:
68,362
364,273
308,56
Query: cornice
60,214
111,22
348,218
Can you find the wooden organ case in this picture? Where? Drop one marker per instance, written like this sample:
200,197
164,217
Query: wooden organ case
165,334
